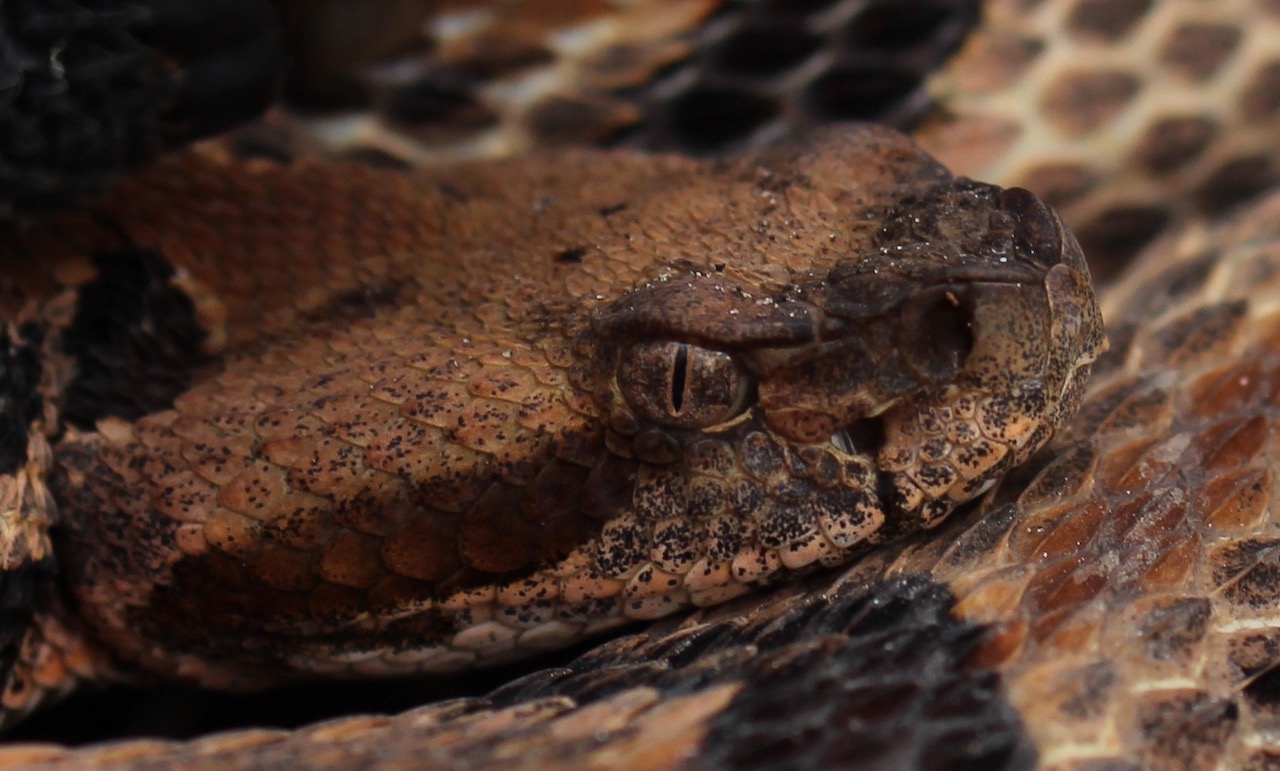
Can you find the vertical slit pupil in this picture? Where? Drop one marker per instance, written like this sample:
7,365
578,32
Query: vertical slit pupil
678,374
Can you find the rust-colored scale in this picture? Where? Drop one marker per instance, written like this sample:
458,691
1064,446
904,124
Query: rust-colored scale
460,418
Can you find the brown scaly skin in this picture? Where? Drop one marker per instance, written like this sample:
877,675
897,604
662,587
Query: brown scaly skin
1111,605
466,420
1120,644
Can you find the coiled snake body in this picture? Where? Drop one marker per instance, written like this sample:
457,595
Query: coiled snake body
629,385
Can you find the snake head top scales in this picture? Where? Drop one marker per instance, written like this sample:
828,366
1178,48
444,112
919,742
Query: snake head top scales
462,415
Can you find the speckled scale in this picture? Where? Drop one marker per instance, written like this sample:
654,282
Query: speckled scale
660,492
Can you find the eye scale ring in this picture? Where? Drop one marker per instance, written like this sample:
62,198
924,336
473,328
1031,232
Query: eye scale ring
681,385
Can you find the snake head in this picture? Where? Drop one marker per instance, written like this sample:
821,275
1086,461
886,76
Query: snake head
946,355
754,367
857,403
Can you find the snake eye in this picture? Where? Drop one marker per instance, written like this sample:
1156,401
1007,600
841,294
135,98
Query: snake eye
680,385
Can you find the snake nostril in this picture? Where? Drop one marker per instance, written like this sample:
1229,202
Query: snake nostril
937,328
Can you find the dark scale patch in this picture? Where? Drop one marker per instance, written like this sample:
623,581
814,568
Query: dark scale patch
559,120
1107,19
1251,653
1248,573
1051,476
1198,51
135,340
750,76
1124,406
1176,282
354,305
1261,99
707,118
91,89
21,591
443,97
1090,692
1264,691
1173,628
894,682
1080,101
1237,180
1186,730
1173,143
1196,333
570,256
759,51
1113,236
872,679
20,402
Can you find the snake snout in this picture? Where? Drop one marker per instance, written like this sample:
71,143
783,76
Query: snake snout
1000,344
